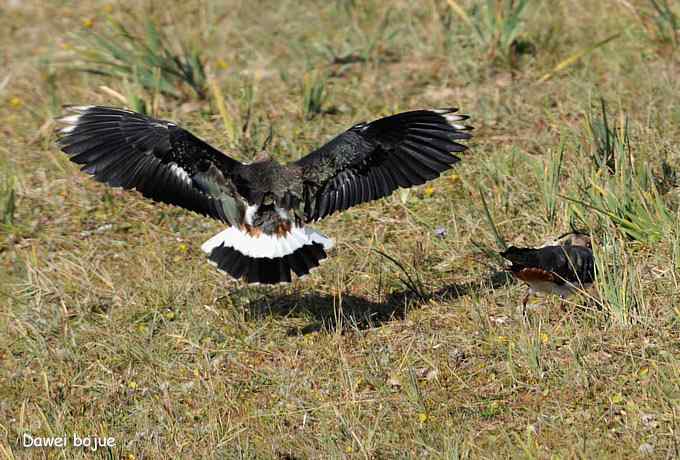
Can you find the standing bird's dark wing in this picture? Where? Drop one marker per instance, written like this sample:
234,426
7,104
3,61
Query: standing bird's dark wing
159,159
370,160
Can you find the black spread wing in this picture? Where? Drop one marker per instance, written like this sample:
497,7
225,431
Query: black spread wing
371,160
574,264
162,161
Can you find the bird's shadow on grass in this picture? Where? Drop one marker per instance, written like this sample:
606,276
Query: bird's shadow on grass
356,312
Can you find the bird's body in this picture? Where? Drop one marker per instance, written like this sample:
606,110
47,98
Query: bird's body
265,204
559,270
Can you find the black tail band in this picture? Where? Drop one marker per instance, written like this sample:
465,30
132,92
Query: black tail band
266,270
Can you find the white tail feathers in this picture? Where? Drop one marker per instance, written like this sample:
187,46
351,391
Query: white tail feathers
266,246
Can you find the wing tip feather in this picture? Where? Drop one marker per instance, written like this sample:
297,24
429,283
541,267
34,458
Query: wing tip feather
452,117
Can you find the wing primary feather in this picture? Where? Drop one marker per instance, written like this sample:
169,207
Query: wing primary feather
430,152
325,204
439,144
361,189
355,191
92,155
85,144
389,179
381,185
105,168
443,134
345,195
123,173
400,176
414,161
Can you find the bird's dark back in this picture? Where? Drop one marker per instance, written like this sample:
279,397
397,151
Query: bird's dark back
257,180
570,263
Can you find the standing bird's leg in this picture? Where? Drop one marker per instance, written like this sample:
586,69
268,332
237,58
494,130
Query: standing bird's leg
524,303
563,304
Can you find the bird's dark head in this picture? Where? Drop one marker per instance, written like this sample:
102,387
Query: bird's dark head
519,257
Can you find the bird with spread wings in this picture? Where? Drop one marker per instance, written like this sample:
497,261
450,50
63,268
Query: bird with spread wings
264,204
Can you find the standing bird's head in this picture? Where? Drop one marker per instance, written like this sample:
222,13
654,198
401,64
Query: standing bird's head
262,156
576,238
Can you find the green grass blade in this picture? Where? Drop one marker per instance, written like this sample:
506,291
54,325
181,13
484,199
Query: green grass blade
499,239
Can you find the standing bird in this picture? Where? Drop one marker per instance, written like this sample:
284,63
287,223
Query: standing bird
560,270
264,204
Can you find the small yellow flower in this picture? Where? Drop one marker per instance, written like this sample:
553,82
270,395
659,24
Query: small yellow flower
429,191
544,338
16,103
221,64
132,384
88,23
183,247
422,417
617,398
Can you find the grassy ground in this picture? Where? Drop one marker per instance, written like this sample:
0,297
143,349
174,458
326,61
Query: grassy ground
112,324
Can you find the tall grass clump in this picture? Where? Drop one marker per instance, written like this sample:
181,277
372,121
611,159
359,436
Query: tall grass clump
606,140
621,188
227,119
314,94
365,39
412,278
501,244
666,22
660,21
49,75
7,196
147,58
548,173
618,281
675,254
496,26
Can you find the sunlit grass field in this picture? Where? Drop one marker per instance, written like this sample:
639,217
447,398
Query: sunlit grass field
408,342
